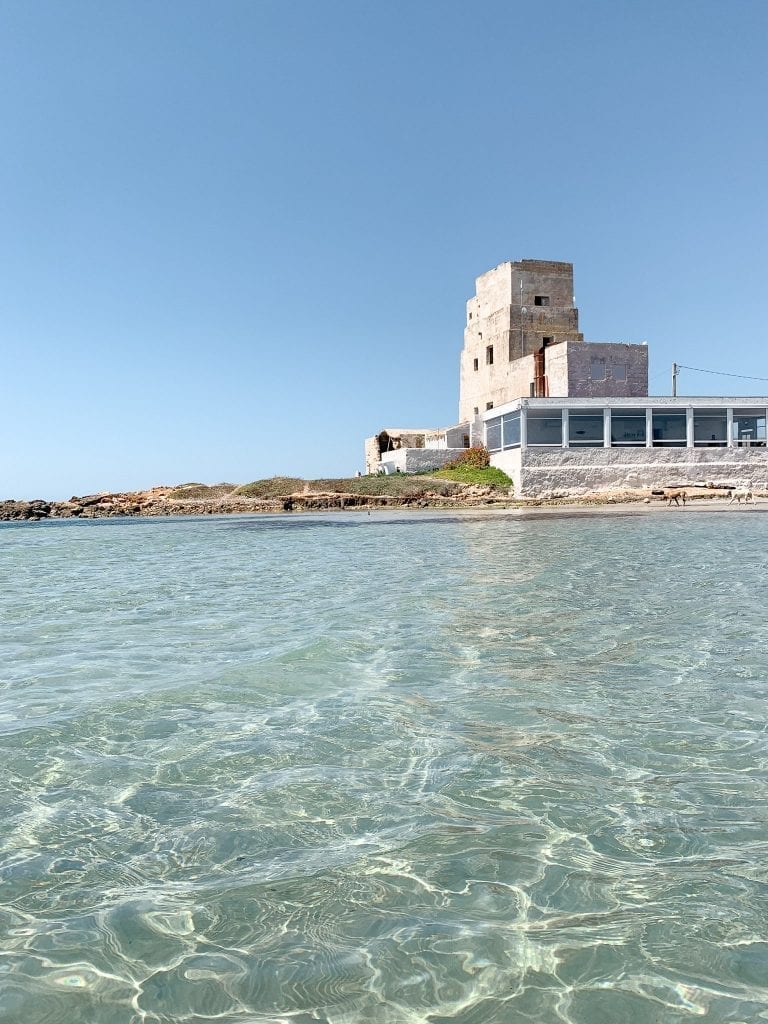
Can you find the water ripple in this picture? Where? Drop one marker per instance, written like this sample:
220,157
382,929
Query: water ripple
420,769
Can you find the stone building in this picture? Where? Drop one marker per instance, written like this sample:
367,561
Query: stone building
401,450
561,415
522,340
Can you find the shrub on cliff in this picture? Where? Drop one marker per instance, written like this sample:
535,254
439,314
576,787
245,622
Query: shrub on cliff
477,458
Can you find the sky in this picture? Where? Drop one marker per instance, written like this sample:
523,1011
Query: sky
238,236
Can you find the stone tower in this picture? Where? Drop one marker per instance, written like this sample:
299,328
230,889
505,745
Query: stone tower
518,311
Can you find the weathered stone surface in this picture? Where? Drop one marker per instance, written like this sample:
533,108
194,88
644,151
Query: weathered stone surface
580,471
519,343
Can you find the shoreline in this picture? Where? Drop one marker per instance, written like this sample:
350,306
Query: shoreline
157,504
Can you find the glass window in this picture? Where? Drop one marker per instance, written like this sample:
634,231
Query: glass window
619,372
598,369
493,434
627,428
710,428
511,430
585,431
545,427
749,428
668,429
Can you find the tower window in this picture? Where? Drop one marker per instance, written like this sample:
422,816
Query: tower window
476,410
488,405
489,355
619,371
541,300
598,369
476,364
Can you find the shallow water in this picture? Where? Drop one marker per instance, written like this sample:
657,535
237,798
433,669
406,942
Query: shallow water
386,769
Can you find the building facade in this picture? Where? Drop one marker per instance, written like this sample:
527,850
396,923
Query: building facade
407,450
522,340
564,416
584,445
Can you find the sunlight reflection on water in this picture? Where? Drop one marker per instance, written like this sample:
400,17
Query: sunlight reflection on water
420,768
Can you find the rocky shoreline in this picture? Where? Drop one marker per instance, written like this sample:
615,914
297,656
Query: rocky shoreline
160,501
202,500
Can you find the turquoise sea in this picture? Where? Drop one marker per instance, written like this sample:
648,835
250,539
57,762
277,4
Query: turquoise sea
399,769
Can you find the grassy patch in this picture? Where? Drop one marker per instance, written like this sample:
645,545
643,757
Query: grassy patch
201,492
399,484
444,482
488,476
274,487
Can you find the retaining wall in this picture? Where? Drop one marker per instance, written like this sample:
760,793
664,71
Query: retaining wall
541,471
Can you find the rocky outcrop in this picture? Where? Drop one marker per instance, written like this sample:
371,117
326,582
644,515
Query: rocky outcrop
160,501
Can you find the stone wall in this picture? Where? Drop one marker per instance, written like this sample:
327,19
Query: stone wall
611,356
392,438
498,383
515,330
497,318
372,453
587,470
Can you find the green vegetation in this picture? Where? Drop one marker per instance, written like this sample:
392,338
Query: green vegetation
445,483
274,487
477,458
399,484
487,475
473,466
201,492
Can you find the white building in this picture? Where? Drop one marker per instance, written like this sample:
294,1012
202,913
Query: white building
582,445
561,415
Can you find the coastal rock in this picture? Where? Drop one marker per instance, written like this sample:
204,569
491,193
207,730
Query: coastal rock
200,500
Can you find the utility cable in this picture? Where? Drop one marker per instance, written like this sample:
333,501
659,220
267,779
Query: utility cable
722,373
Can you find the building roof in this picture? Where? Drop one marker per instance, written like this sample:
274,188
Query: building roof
657,401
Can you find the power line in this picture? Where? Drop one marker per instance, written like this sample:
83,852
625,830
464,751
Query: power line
721,373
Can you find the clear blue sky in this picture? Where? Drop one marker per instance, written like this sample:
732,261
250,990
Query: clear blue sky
237,237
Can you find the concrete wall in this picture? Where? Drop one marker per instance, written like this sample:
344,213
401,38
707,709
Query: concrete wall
539,472
510,462
418,460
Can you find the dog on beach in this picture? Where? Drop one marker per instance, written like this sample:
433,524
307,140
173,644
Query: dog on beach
677,495
739,493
